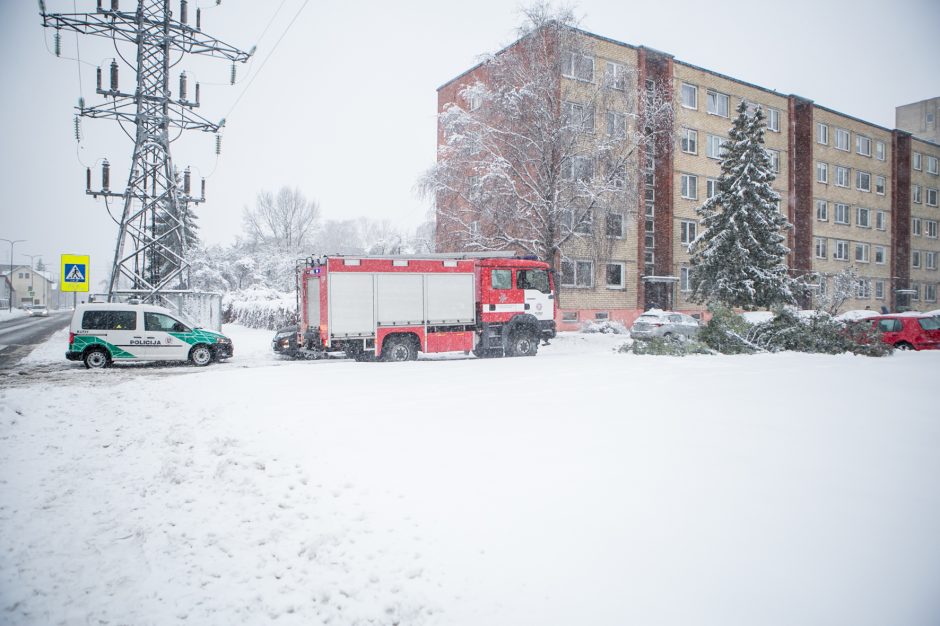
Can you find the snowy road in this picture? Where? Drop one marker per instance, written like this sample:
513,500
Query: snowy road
577,487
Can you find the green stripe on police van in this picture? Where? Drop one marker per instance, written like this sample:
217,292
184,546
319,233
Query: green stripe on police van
83,341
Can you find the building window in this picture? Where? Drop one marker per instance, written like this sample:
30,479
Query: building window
842,139
822,134
916,289
689,140
931,197
579,116
615,225
862,217
711,187
616,124
931,227
822,210
841,213
577,273
841,253
690,186
930,293
880,289
930,260
915,194
714,147
881,220
880,254
578,168
615,276
820,247
842,176
687,231
585,224
773,120
916,161
863,145
880,185
861,252
862,180
880,150
569,316
822,172
933,166
718,103
863,289
615,76
915,259
774,156
689,96
474,101
915,226
685,284
578,66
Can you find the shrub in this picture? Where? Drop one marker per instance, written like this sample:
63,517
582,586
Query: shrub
259,307
671,346
726,332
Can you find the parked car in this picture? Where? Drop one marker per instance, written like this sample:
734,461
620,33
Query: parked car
907,331
38,310
666,324
103,333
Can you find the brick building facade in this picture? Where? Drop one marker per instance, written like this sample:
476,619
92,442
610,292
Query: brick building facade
858,194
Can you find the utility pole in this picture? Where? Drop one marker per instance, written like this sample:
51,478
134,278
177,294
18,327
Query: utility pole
12,242
150,259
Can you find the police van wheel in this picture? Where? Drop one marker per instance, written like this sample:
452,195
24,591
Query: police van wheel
96,359
200,356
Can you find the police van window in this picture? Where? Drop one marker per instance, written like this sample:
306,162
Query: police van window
501,279
161,322
533,279
109,320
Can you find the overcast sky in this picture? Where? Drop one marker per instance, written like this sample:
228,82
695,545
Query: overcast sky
344,107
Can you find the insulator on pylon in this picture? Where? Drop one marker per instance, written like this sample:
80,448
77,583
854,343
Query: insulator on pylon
183,86
99,6
87,179
105,175
197,93
184,12
114,5
78,130
198,18
187,181
81,103
218,145
57,43
114,76
233,73
203,189
99,78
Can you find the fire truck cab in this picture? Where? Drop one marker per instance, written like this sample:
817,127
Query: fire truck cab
392,307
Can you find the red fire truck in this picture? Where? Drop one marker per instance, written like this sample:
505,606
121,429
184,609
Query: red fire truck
392,307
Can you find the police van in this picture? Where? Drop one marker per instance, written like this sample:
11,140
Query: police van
101,334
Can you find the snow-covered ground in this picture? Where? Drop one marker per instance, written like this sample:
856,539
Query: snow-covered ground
581,486
7,314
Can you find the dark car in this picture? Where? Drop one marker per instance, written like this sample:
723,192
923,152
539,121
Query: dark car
908,332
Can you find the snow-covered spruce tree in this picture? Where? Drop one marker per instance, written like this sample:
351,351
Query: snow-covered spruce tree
541,147
740,258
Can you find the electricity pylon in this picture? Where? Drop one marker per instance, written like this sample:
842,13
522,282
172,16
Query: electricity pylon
150,259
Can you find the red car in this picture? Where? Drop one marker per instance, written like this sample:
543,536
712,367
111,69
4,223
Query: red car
908,332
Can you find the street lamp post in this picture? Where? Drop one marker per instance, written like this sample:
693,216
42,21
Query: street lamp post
32,274
11,242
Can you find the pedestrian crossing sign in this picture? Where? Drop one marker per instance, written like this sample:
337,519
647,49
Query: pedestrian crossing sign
74,272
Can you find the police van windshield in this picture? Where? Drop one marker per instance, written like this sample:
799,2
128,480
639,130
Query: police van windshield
533,279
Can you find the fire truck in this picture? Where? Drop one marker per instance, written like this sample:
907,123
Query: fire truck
391,308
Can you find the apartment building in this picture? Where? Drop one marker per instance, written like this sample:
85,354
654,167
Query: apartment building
921,119
859,195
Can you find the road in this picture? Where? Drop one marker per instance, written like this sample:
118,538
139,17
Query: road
19,336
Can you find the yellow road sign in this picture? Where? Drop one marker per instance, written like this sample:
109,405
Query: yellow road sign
75,272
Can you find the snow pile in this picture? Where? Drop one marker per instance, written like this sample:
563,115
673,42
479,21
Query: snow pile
259,307
6,314
607,327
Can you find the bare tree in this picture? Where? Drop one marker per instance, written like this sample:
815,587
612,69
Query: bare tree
286,220
541,149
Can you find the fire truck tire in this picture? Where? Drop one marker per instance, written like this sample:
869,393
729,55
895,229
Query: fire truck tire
523,343
398,348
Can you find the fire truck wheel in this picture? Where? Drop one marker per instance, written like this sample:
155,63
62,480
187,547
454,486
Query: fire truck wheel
399,349
523,343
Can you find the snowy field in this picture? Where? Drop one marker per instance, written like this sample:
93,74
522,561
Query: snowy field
579,487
